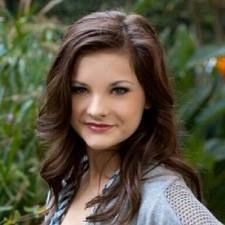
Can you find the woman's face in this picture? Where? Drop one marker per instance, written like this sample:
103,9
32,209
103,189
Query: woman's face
107,99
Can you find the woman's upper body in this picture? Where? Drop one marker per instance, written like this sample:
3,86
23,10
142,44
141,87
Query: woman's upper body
165,200
109,99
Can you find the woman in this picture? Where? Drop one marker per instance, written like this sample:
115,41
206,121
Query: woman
109,122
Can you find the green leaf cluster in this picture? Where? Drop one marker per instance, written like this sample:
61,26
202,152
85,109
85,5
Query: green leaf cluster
27,47
200,97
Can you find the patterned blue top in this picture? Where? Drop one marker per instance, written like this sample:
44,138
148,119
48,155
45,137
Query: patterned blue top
65,196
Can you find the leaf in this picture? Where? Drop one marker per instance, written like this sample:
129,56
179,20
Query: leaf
2,90
49,6
216,147
181,51
25,107
5,208
206,53
211,113
2,50
195,152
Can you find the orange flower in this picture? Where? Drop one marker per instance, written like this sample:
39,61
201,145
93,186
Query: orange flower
220,65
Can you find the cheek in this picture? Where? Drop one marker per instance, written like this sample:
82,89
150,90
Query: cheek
76,111
131,111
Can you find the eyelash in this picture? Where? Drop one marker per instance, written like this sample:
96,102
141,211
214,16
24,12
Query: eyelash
78,90
120,90
83,90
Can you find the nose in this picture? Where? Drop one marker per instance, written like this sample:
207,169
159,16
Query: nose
97,107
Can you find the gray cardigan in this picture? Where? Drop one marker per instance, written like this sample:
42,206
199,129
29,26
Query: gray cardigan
165,200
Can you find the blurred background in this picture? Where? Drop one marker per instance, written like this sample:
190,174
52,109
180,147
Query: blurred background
193,35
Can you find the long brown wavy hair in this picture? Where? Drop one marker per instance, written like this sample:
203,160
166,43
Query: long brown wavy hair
156,138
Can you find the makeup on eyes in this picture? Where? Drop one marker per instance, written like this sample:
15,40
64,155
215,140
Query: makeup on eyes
120,90
115,90
78,89
115,87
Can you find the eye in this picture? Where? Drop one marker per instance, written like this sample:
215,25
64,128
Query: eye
120,90
79,90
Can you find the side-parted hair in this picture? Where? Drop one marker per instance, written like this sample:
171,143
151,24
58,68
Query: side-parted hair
156,138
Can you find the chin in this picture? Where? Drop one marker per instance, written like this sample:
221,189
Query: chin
101,146
102,143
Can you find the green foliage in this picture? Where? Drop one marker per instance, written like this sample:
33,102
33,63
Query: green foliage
205,18
200,93
26,50
69,10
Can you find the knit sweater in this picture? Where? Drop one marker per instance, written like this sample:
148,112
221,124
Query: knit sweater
165,200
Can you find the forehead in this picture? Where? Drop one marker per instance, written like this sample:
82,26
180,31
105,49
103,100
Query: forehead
104,65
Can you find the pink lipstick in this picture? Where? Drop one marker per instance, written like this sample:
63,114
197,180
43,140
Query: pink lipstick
100,128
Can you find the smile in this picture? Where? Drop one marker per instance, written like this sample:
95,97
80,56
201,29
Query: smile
99,128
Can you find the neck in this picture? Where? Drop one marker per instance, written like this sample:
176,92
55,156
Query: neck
102,164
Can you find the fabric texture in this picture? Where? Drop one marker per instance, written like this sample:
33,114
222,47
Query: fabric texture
166,200
186,207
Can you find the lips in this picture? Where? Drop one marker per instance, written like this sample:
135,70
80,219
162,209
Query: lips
96,127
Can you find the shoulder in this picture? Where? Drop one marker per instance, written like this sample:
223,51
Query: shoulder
157,180
166,200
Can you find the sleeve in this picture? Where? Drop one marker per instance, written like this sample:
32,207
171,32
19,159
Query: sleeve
186,207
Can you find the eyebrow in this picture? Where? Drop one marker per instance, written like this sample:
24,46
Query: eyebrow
112,84
78,82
